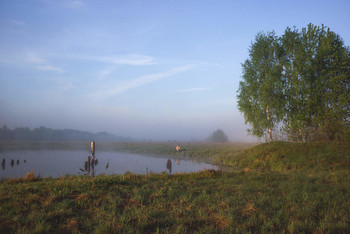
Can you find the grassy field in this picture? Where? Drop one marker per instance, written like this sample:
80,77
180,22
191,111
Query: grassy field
278,187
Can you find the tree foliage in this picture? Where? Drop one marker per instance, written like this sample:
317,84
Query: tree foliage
260,97
300,82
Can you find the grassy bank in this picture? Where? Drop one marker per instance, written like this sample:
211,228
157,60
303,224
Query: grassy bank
206,201
279,187
277,156
287,156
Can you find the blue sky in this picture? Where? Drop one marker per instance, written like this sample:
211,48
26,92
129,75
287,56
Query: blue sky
161,70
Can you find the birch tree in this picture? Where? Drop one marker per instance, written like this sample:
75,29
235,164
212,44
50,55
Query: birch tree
316,71
260,96
300,81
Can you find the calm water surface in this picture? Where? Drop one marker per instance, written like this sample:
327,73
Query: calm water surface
56,163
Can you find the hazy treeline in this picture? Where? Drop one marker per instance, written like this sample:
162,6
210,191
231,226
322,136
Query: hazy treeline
218,136
298,85
48,134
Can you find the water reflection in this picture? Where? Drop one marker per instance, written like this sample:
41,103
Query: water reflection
12,163
57,163
91,163
169,165
107,165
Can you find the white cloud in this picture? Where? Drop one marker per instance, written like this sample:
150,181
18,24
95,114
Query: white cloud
191,90
143,80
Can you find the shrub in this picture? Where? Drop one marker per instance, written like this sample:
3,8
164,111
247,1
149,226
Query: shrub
29,176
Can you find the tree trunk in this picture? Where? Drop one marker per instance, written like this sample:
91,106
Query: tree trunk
300,132
308,125
268,122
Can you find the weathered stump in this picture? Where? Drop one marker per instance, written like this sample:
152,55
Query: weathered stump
93,149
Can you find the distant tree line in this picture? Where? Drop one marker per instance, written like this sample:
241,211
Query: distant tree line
298,85
48,134
218,136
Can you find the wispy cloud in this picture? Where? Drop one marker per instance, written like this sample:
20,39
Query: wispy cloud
73,4
144,31
138,82
105,72
30,60
40,63
34,58
47,67
129,59
191,90
135,60
12,26
16,22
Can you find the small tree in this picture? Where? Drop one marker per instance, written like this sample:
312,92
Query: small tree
218,136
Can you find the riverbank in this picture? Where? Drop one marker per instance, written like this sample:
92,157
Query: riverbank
278,187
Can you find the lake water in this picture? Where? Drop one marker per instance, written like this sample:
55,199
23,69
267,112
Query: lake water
57,163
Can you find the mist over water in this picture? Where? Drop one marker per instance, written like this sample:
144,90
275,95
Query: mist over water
57,163
136,131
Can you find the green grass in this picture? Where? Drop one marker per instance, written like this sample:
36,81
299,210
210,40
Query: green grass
278,187
286,156
207,201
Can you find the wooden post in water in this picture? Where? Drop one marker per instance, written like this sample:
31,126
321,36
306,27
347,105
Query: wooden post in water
93,149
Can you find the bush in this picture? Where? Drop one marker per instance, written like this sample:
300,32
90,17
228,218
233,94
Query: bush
218,136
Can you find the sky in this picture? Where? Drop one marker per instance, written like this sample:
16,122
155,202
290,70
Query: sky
151,69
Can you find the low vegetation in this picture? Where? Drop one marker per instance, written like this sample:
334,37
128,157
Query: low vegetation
275,187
